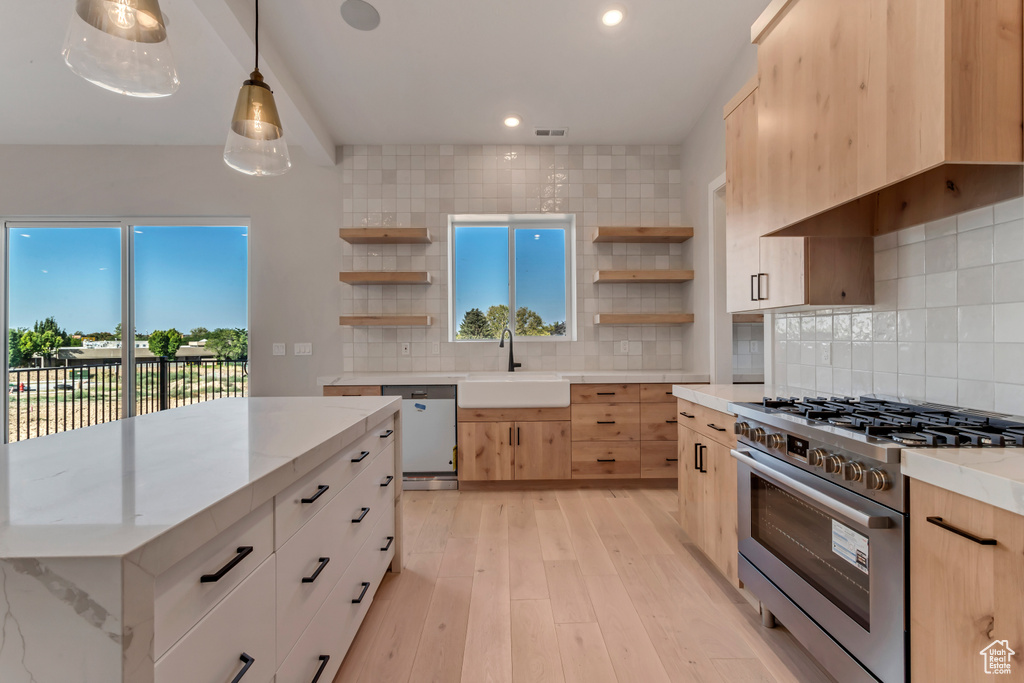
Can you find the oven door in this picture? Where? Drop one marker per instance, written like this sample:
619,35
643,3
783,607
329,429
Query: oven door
838,556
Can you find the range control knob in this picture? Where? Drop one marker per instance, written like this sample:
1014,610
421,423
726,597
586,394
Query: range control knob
757,434
774,440
878,480
834,464
816,457
853,471
742,429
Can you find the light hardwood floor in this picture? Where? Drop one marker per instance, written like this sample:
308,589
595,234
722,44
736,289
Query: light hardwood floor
583,586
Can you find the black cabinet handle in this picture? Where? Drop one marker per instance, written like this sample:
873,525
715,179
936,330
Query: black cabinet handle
696,456
759,276
717,429
387,433
608,422
360,517
687,415
518,435
388,482
323,665
312,577
509,436
606,393
671,459
243,552
362,456
606,459
245,669
668,393
358,600
937,521
703,448
671,422
753,281
320,490
391,539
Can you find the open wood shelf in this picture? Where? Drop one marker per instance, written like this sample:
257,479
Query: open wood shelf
384,278
748,318
644,276
643,235
643,318
385,320
385,235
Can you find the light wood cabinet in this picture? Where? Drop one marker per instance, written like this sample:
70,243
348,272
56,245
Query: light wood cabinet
963,595
485,451
505,450
691,486
742,229
543,450
337,390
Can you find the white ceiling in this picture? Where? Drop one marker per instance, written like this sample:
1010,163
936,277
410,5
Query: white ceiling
437,71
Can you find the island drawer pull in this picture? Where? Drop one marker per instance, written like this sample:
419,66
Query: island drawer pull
687,415
671,459
717,429
387,433
606,393
312,577
668,393
358,519
366,587
243,552
606,459
320,490
362,456
606,422
938,521
391,539
671,422
323,665
249,660
388,482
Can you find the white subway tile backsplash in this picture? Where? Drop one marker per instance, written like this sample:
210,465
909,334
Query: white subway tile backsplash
1008,283
974,248
1009,210
975,219
975,323
940,255
911,292
1009,322
1009,399
975,394
975,361
911,259
911,358
942,325
1009,362
974,286
941,289
912,325
1008,241
884,325
887,264
885,354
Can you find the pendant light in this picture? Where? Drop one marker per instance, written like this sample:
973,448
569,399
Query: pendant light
121,45
256,143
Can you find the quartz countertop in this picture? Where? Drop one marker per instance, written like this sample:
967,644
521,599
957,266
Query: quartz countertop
719,396
181,475
990,475
454,377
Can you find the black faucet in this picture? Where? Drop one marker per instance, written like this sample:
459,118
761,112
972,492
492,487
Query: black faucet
512,364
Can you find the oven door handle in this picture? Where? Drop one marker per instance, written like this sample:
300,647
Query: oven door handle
854,515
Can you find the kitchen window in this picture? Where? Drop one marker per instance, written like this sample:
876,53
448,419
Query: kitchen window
512,271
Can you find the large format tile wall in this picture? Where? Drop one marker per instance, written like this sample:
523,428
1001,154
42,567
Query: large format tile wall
748,349
420,185
947,327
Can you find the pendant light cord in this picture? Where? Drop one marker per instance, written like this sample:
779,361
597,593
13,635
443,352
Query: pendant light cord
257,35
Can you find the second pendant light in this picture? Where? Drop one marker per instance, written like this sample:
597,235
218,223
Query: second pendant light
256,144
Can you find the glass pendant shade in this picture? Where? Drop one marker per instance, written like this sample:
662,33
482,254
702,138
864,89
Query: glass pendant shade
121,45
256,144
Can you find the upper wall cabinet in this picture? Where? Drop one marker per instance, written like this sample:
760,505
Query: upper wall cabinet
859,96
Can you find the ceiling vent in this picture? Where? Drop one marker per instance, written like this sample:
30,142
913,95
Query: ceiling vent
551,132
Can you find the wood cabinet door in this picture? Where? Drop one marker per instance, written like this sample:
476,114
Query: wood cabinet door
658,421
742,228
543,450
721,535
784,271
485,451
691,486
606,422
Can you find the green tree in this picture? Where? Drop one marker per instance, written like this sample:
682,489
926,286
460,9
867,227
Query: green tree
165,343
117,332
558,329
530,324
474,325
198,333
43,344
229,344
49,325
15,356
497,321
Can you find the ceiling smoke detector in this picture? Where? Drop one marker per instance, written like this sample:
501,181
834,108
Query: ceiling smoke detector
550,132
360,15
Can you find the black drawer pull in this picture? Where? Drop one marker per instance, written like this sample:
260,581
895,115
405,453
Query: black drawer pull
312,577
243,552
671,422
360,517
391,539
606,459
702,449
717,429
320,490
366,587
323,665
937,521
687,415
608,422
606,393
245,669
387,433
671,459
388,482
362,456
668,393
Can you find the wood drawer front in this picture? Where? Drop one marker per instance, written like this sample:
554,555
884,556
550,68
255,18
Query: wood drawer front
605,393
659,459
242,623
182,599
291,513
605,460
656,393
702,420
330,534
352,391
658,422
606,422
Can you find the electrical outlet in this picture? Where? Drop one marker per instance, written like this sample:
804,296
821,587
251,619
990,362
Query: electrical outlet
623,346
436,348
826,353
279,350
303,349
406,348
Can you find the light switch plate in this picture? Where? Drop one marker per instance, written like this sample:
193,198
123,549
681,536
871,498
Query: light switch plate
304,349
436,348
623,346
279,349
406,348
826,353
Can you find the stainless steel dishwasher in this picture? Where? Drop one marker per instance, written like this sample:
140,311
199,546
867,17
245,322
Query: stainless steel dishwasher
428,436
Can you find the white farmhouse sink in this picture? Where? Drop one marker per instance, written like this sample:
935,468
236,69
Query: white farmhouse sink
513,390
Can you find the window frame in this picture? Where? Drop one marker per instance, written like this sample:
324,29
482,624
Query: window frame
513,222
127,225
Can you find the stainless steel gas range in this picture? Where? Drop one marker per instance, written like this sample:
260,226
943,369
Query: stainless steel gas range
823,519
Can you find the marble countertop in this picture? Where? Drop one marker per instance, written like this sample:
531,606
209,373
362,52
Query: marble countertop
454,377
990,475
719,396
180,475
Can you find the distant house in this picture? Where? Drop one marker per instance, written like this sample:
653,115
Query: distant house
71,356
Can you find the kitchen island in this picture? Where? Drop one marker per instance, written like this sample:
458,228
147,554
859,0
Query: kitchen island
193,544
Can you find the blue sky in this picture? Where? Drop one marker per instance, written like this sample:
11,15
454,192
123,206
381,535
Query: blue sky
481,270
185,277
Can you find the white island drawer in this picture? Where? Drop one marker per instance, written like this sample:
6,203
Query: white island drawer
183,597
242,625
300,502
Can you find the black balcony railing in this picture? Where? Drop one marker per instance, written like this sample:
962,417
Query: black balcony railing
45,401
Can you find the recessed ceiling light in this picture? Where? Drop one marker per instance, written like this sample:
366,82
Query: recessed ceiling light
360,15
512,120
612,17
